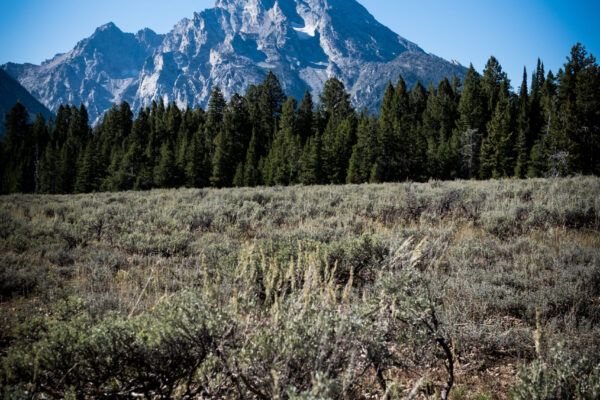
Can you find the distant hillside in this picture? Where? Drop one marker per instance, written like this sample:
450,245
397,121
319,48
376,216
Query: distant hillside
12,92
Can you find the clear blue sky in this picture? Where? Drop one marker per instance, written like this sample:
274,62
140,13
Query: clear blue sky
516,32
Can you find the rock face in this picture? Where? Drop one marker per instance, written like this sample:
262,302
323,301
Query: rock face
12,92
233,45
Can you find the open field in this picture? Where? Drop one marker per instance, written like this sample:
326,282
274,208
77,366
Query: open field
304,292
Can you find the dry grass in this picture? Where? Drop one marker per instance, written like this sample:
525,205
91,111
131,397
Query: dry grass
494,251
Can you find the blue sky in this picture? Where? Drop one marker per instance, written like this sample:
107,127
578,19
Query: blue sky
516,32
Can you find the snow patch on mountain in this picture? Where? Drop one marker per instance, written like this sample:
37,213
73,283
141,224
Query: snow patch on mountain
304,31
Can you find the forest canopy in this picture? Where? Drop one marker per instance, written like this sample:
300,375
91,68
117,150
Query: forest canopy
475,129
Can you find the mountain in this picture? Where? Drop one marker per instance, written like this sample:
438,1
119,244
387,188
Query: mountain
12,92
99,71
233,45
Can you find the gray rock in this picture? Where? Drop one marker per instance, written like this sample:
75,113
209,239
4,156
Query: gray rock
233,45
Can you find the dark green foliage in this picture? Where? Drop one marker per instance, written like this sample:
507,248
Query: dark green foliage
470,125
282,164
311,162
87,178
231,143
222,170
523,139
164,173
214,116
251,171
387,134
578,111
474,129
335,102
337,142
339,134
365,152
198,167
438,123
536,115
48,170
498,147
268,103
18,171
493,76
305,117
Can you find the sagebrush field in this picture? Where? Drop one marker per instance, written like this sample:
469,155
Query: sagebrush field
489,289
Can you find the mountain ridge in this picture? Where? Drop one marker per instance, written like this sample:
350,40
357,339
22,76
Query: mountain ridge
13,92
232,45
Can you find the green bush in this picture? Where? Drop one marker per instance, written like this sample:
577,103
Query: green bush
299,289
152,355
156,244
561,377
17,279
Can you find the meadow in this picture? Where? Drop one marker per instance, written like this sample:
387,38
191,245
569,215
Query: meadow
457,290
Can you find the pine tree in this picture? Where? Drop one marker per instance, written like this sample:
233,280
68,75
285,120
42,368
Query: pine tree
78,126
497,147
418,153
439,120
133,170
67,166
493,76
537,120
405,148
335,102
237,123
222,169
396,144
48,170
270,102
238,178
165,170
339,134
281,165
470,125
311,162
365,152
251,170
61,125
376,175
523,131
305,118
578,112
85,181
548,140
337,142
19,170
537,164
214,116
40,139
199,163
386,134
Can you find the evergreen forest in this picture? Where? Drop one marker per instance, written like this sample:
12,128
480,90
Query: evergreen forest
479,128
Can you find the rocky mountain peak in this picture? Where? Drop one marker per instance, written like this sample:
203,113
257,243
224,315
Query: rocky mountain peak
233,45
108,27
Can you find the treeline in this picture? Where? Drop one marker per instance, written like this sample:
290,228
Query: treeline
475,129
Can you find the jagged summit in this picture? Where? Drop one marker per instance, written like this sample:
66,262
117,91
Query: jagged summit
110,26
233,45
